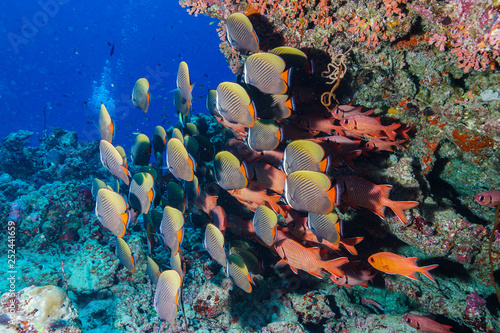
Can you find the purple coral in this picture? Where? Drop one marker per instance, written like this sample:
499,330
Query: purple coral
474,314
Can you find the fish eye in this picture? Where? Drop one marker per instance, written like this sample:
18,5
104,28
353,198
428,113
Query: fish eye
371,260
481,198
408,320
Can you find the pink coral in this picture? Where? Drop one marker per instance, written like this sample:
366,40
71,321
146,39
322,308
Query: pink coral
474,311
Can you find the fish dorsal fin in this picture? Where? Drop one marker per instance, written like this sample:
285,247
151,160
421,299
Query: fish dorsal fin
386,189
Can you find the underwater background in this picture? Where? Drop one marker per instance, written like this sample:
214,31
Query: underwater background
234,242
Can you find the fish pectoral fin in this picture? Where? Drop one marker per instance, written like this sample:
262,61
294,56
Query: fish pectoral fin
293,269
380,211
316,272
281,263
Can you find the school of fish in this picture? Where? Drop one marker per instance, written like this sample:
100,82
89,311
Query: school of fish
289,164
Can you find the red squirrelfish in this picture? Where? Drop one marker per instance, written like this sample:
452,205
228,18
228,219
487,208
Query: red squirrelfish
344,111
306,259
266,176
425,325
369,126
358,192
355,274
488,198
378,145
253,196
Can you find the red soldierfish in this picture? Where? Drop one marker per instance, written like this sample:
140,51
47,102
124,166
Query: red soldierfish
488,198
358,192
378,145
355,274
369,126
253,196
344,111
306,259
424,324
266,176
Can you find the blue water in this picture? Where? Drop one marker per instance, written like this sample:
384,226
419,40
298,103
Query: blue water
56,55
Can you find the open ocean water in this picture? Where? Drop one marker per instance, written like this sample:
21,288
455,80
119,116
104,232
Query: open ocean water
265,208
59,58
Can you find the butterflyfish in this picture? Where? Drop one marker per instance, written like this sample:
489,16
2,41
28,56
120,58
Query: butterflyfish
264,222
112,160
111,211
125,255
167,295
178,160
171,228
240,33
264,135
106,125
238,271
140,94
234,104
309,191
230,174
214,243
266,72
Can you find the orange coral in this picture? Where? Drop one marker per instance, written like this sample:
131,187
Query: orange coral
470,142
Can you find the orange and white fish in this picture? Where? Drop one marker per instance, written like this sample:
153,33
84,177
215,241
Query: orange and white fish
307,259
424,324
392,263
358,192
369,126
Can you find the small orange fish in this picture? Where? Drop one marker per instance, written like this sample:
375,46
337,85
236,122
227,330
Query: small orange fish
306,259
424,324
358,192
369,126
391,263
